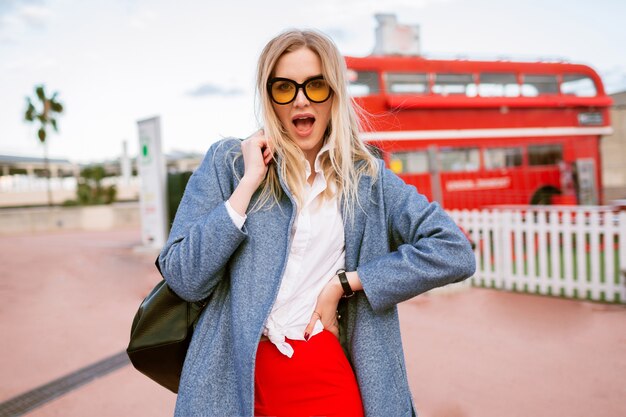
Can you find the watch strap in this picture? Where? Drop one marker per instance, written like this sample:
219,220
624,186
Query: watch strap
343,279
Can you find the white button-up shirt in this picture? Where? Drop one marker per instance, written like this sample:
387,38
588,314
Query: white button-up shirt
317,252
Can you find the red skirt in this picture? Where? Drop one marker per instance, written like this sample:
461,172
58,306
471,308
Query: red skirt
316,381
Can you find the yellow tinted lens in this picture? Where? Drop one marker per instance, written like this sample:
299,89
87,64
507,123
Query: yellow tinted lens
317,90
283,91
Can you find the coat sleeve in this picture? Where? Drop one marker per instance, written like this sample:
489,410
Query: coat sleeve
428,249
203,237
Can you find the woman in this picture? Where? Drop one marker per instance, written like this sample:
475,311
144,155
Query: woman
266,228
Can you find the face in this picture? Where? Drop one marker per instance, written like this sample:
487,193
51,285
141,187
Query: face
305,121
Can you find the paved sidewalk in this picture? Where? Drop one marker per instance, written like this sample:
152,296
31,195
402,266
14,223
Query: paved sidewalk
68,300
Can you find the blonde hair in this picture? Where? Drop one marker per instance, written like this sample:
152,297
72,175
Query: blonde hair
348,158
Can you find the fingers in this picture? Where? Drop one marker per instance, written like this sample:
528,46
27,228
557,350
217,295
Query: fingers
268,152
325,311
258,140
331,325
267,155
309,328
257,154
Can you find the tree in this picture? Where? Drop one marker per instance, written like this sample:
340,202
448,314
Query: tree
44,116
90,190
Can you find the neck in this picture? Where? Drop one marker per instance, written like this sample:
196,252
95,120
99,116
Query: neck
311,160
311,155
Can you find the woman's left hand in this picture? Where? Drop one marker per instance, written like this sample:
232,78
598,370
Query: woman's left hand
326,308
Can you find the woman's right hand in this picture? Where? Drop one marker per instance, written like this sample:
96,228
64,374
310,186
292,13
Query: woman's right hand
257,155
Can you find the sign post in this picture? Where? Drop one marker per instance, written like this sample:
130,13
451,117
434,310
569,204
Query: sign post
152,197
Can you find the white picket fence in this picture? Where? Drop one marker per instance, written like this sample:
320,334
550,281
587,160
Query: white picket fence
575,252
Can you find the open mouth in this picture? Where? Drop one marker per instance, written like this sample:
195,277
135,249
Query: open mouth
303,124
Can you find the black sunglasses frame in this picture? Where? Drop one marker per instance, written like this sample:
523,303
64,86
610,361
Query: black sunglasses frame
298,87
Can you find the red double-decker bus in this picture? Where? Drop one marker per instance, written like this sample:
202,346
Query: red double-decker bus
472,134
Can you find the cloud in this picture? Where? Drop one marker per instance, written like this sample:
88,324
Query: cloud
34,15
19,17
142,20
208,90
7,6
5,38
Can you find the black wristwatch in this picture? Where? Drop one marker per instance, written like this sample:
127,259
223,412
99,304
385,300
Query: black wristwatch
347,290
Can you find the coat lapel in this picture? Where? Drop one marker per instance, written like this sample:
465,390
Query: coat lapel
354,228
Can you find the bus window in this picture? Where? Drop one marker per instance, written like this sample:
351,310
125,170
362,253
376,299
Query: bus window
455,84
362,83
578,85
537,85
503,158
545,154
407,83
459,159
498,85
412,162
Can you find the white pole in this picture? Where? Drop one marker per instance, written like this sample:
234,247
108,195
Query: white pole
152,196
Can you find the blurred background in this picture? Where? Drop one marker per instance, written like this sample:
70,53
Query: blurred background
509,114
112,64
193,63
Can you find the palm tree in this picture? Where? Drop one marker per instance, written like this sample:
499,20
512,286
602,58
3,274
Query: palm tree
46,115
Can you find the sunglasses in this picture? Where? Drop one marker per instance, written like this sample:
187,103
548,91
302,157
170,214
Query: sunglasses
284,90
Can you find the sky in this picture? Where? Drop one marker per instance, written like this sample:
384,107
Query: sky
192,62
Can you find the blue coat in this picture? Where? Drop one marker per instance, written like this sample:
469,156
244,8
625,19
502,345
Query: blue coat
400,244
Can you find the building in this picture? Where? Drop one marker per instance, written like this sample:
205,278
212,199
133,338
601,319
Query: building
23,179
613,151
33,166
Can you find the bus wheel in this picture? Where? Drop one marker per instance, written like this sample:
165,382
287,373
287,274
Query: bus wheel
543,196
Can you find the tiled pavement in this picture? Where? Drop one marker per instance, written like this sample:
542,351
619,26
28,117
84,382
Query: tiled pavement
67,301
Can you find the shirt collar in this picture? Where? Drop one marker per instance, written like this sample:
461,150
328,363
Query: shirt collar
318,165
